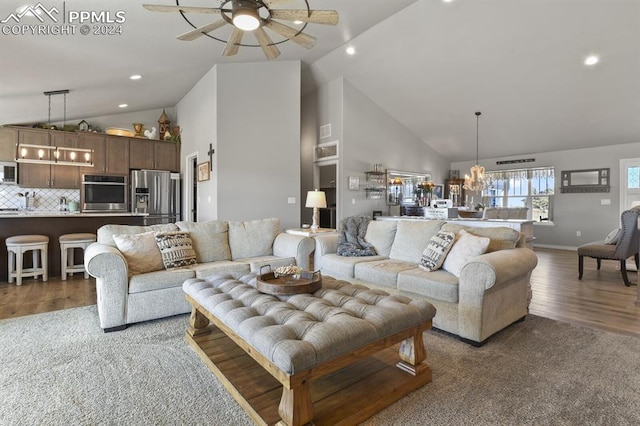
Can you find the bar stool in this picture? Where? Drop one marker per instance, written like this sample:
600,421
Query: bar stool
20,244
71,242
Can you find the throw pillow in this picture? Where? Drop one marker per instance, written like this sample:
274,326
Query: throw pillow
140,251
466,247
176,248
613,236
435,253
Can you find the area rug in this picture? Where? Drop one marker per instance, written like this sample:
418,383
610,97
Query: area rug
59,368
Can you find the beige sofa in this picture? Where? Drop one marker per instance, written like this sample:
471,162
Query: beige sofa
491,292
125,297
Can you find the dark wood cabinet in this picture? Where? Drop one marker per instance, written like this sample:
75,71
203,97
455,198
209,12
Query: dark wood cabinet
48,175
117,155
154,155
94,141
65,176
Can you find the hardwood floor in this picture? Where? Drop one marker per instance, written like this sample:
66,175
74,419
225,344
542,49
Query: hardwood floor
599,300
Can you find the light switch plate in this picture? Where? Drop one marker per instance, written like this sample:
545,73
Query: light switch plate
291,200
605,202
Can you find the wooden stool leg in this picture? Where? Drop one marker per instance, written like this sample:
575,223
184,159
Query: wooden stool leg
36,266
295,407
19,255
63,262
45,269
11,260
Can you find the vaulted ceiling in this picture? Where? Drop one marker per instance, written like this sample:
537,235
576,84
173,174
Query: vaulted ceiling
429,63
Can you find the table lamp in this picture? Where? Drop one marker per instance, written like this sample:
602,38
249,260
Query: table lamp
316,200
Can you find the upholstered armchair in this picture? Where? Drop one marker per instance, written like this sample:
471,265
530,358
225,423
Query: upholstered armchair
622,248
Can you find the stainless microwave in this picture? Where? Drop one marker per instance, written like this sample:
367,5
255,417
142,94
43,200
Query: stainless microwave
8,173
104,193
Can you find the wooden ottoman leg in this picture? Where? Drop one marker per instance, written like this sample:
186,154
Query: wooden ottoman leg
197,323
413,353
296,408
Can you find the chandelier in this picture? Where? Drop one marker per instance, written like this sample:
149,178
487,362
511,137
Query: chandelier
476,181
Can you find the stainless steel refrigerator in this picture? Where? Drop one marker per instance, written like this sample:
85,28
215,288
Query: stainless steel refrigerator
157,193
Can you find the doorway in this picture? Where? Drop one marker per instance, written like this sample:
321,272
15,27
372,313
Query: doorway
191,188
326,178
629,183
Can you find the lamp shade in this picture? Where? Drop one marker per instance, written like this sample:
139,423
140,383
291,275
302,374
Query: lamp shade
316,199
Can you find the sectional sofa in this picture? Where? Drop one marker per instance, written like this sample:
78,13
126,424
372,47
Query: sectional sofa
132,280
491,292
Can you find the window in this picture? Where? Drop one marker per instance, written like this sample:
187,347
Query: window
531,188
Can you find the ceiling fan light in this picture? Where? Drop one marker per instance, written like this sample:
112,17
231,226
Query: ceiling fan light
245,17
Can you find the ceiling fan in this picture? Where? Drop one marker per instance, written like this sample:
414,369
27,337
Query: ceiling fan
253,16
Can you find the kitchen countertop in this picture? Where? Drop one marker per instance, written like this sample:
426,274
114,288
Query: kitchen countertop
56,213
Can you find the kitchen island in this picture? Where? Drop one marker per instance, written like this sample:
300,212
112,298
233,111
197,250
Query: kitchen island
53,224
520,225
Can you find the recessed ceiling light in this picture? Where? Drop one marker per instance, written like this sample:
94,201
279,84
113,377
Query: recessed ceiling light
298,22
123,106
591,60
351,50
135,77
447,1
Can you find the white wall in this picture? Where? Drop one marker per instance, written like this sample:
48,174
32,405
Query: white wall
258,138
196,115
575,212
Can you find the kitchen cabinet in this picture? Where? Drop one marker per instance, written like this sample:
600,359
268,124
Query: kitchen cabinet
154,155
117,155
8,141
48,175
96,142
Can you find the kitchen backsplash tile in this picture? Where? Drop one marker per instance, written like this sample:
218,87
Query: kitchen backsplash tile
45,198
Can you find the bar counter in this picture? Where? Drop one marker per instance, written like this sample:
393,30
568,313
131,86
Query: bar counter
53,224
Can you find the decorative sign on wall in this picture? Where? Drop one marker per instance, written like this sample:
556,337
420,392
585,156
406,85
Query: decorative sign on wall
587,180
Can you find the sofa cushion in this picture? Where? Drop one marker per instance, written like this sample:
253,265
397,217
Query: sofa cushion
210,239
253,238
342,267
159,280
203,270
439,245
176,248
382,272
380,234
106,232
501,237
256,263
466,247
140,251
412,238
439,285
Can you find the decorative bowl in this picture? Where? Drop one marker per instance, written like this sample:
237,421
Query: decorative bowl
119,132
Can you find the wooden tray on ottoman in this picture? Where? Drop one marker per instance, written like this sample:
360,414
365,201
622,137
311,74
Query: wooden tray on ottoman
308,282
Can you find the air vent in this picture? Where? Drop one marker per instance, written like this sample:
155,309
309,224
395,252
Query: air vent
521,160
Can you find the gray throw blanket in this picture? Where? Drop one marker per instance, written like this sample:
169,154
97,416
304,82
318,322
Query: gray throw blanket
351,241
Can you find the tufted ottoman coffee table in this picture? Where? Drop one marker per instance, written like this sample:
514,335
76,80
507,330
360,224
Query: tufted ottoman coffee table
324,358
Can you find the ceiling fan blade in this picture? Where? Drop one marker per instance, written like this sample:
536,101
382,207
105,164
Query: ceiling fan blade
274,3
327,17
233,44
200,31
186,9
304,40
269,49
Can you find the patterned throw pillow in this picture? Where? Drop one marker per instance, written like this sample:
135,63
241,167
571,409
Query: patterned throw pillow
435,253
466,247
176,249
